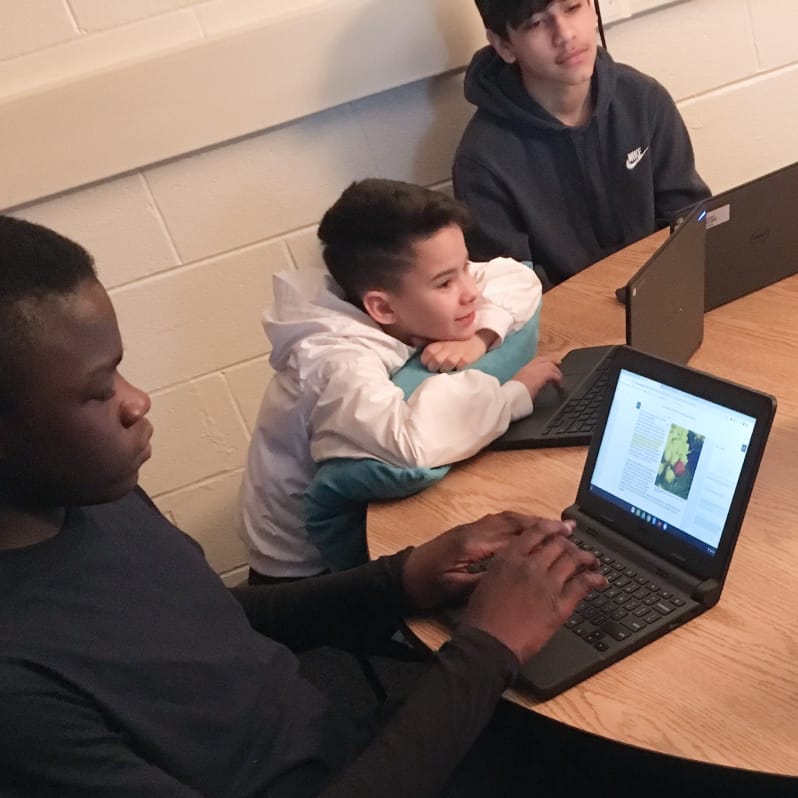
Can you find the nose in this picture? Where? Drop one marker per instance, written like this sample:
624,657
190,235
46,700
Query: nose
562,29
135,403
470,291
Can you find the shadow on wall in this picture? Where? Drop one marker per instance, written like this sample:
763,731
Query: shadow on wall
412,129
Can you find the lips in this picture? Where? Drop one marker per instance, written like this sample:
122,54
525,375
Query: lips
146,449
467,319
571,58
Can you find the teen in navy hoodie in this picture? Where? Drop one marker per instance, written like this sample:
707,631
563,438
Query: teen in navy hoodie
569,156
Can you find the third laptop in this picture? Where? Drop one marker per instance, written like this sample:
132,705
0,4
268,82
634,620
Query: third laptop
752,236
664,317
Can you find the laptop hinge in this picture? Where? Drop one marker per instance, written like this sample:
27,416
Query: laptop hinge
707,592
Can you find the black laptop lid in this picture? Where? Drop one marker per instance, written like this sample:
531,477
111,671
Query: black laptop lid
673,460
665,298
752,236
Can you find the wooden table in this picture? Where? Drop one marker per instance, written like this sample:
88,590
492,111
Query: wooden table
723,688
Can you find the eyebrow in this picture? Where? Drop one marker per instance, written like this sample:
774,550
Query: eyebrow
109,365
444,273
447,272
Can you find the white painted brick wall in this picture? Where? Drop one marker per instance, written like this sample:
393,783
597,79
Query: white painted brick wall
744,131
208,510
774,23
118,223
683,48
246,382
33,25
198,319
83,54
198,435
412,132
188,247
259,187
94,15
305,248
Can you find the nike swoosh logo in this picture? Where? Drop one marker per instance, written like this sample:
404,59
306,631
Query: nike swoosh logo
634,158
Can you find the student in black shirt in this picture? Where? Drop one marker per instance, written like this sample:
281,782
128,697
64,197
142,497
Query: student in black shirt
128,669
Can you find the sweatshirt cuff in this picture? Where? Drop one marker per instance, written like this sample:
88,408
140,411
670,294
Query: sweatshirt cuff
518,399
394,565
496,319
491,654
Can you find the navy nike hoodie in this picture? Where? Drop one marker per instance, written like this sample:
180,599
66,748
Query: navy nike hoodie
565,197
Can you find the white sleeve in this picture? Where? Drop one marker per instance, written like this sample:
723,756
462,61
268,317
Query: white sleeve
359,413
511,294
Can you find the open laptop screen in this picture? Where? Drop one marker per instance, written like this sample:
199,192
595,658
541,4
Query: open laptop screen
672,459
679,447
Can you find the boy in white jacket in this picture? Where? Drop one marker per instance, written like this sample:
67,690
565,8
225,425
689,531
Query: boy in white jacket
399,281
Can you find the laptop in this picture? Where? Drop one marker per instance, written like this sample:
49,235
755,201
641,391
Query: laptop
660,503
664,317
752,236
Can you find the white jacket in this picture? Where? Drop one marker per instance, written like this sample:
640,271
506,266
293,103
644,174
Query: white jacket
332,396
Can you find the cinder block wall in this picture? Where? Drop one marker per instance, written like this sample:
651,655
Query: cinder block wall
187,248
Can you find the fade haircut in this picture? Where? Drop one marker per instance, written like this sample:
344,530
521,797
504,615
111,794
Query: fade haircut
501,15
369,233
35,264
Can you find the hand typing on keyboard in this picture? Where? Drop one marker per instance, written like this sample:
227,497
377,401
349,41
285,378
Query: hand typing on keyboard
532,586
537,373
628,603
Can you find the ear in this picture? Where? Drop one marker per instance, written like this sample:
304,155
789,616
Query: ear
379,306
502,46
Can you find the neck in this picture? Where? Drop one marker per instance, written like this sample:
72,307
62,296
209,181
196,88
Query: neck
395,331
21,528
572,105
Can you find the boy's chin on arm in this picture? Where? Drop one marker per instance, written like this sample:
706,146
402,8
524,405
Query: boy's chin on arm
454,355
417,342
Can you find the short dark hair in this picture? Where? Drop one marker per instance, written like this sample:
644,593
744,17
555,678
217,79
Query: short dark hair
369,233
500,15
35,263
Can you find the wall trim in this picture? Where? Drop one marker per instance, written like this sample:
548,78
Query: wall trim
278,68
225,87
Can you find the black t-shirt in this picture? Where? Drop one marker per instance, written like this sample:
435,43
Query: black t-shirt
127,668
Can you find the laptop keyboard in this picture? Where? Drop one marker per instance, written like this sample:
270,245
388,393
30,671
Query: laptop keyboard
629,603
580,414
